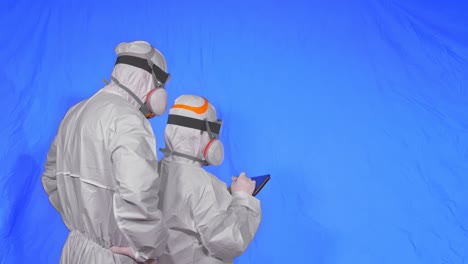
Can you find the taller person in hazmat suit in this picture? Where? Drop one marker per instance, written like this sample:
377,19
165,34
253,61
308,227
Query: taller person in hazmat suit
101,170
207,224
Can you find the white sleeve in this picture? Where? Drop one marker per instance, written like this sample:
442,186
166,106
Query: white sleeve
226,232
49,176
133,154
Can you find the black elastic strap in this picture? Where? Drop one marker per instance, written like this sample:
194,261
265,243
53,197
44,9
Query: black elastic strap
134,61
193,123
161,75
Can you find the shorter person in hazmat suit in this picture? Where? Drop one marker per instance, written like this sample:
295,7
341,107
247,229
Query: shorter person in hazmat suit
101,172
207,223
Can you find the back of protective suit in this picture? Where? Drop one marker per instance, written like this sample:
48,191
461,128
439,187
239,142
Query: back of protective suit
101,173
206,224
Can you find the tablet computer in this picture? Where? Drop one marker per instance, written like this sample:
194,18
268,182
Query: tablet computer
260,181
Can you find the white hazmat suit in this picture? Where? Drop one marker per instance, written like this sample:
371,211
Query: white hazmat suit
101,170
206,223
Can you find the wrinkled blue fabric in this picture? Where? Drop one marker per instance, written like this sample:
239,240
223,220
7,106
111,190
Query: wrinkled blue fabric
357,109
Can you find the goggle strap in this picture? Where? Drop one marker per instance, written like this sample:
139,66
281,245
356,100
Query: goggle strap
144,64
134,61
203,125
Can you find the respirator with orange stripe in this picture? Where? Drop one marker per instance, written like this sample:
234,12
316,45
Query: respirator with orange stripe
156,99
213,151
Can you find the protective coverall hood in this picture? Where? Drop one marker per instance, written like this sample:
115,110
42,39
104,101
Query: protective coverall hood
139,81
193,129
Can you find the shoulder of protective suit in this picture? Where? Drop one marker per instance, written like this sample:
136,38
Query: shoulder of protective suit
118,113
115,105
198,174
76,106
209,178
117,101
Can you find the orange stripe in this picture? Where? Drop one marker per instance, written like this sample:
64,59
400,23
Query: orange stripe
199,110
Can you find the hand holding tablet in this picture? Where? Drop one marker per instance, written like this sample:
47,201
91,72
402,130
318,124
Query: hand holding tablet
260,181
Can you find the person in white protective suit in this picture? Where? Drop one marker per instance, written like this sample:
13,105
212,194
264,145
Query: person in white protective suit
101,172
207,224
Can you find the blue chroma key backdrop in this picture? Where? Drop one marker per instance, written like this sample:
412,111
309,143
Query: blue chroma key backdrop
357,109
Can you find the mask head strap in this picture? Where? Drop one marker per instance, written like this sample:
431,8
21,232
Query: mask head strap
143,107
169,152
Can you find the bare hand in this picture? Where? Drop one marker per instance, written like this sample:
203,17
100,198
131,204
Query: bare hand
242,183
126,251
123,251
